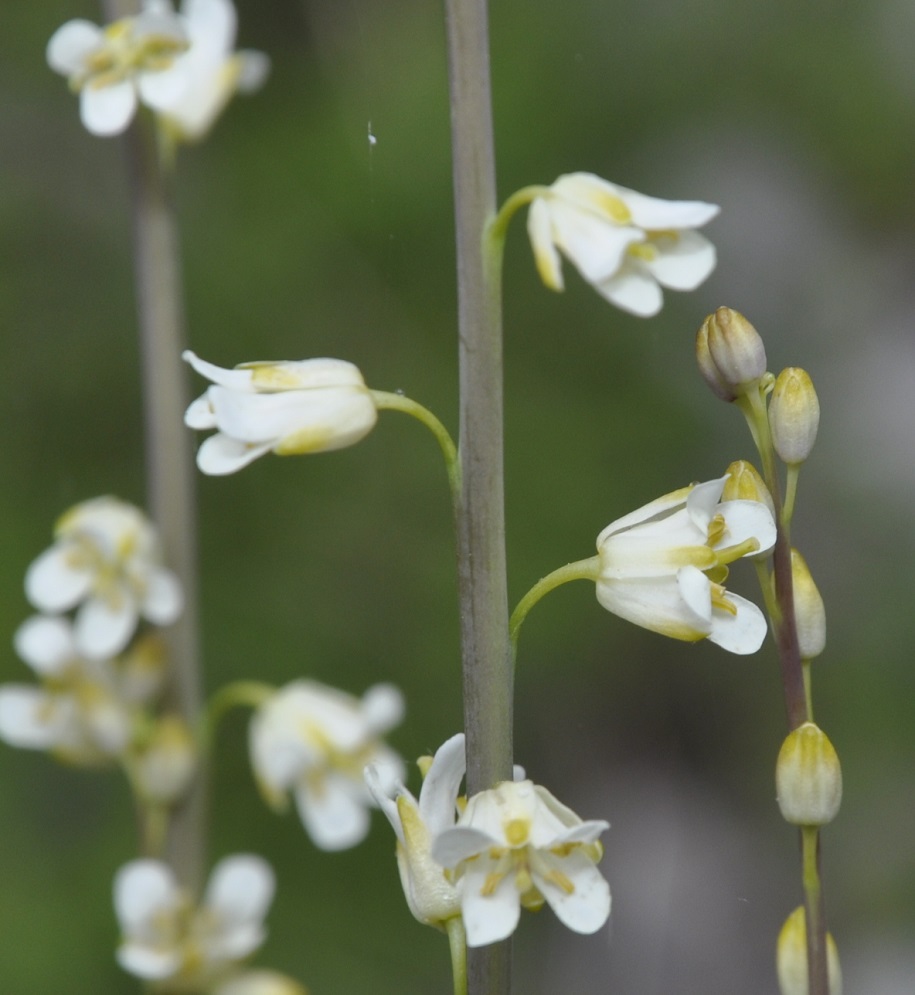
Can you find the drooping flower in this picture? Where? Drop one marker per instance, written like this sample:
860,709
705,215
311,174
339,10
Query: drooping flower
84,711
625,244
291,408
112,67
166,937
107,560
517,845
203,79
316,741
432,898
664,566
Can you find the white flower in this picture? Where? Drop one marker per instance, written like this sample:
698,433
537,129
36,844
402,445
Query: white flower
260,982
109,67
310,406
84,711
106,560
316,741
623,243
203,80
432,898
663,566
165,937
517,845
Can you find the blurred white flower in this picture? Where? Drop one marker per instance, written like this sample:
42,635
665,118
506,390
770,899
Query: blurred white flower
110,67
291,408
84,711
260,982
165,937
664,566
432,898
626,245
517,845
203,80
316,741
107,560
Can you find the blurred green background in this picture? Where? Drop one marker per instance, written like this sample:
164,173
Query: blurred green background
300,239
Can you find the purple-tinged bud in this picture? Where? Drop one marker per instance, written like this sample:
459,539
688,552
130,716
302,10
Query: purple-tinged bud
730,353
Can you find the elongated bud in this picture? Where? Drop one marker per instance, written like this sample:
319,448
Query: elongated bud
794,415
791,958
730,353
809,610
808,777
744,483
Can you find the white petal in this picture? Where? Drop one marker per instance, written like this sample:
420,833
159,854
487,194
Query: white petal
632,290
333,817
253,71
45,643
148,962
144,891
702,503
684,260
30,718
211,25
70,44
380,791
164,88
489,918
742,633
220,455
658,604
259,982
101,631
654,551
107,110
696,591
745,520
654,214
460,843
52,584
540,231
587,907
236,379
438,795
164,600
200,414
383,708
662,506
239,893
596,247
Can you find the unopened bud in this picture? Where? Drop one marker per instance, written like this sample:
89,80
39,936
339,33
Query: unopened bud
730,353
744,483
167,763
808,777
791,958
809,610
794,415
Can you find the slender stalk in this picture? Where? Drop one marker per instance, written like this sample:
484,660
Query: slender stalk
457,940
485,650
169,452
817,964
588,569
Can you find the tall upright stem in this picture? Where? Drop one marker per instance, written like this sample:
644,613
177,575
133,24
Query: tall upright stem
485,650
169,448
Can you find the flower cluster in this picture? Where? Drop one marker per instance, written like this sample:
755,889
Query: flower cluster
180,65
511,846
316,741
626,245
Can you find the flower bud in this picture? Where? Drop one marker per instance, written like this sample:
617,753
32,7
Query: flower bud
744,483
808,777
165,767
730,353
794,415
809,611
791,958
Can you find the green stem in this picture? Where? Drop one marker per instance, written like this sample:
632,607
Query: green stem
817,966
397,402
794,470
498,226
169,446
458,943
580,570
237,694
485,649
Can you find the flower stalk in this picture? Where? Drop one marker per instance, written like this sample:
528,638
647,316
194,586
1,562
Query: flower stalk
486,653
169,453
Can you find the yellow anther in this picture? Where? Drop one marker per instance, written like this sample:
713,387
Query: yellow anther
517,831
643,250
490,884
560,880
717,528
720,601
271,376
611,204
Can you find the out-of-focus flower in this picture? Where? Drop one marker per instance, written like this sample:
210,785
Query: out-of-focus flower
626,245
203,80
517,845
110,67
664,566
84,711
432,898
107,560
260,982
316,741
165,937
791,957
291,408
167,760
